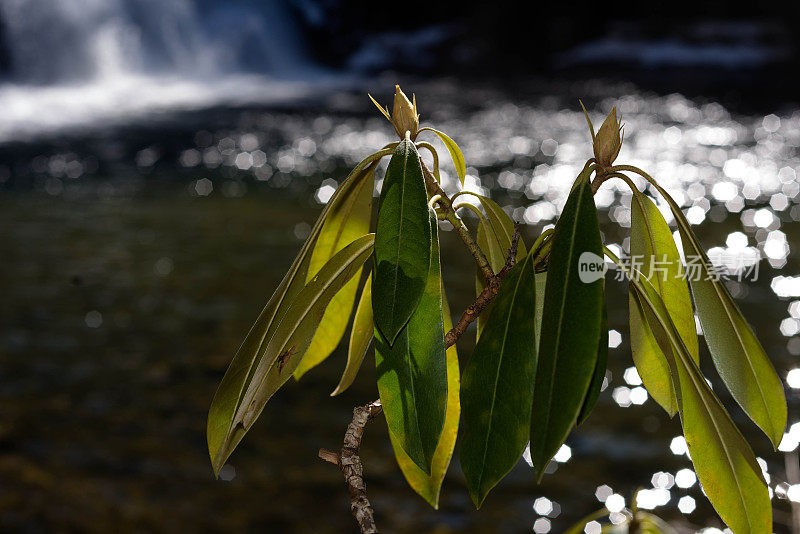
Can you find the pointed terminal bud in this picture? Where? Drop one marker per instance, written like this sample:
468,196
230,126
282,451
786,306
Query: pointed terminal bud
404,115
608,141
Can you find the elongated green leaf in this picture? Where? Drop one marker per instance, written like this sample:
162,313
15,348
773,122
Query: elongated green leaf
220,428
428,486
402,243
724,462
292,337
654,252
346,222
497,385
492,249
541,284
455,153
503,226
571,325
495,236
738,356
599,370
412,373
360,338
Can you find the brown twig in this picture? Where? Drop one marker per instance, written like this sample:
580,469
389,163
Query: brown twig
348,460
451,216
487,295
350,464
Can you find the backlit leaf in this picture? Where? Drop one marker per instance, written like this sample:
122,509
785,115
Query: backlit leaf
497,385
360,338
222,439
455,153
428,486
345,222
723,461
412,373
738,356
290,340
654,251
571,326
502,225
402,243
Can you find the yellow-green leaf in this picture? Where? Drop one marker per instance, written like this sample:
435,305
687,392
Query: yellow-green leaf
220,433
428,486
348,220
290,340
738,356
723,461
455,153
656,255
360,338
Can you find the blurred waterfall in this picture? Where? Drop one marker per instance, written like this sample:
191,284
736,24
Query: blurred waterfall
76,63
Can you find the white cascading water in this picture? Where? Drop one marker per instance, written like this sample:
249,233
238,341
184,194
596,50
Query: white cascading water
75,63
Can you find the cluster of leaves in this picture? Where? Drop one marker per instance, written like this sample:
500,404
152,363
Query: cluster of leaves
541,350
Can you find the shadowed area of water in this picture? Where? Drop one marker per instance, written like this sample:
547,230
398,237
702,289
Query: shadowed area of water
135,258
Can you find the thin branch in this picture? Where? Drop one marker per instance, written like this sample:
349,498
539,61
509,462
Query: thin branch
487,295
451,216
349,462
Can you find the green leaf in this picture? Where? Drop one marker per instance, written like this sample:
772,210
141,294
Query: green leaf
220,434
724,462
571,327
599,371
289,342
541,284
428,486
654,250
738,356
360,338
402,243
497,385
492,249
412,373
502,225
347,221
455,153
495,235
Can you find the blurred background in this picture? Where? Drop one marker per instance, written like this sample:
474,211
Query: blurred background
161,162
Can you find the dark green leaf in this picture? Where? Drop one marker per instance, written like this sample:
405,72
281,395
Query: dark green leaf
654,250
571,327
412,373
228,397
345,222
428,486
599,371
360,338
497,385
287,345
738,356
402,243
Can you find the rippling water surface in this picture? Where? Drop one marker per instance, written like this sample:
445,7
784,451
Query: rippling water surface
136,256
